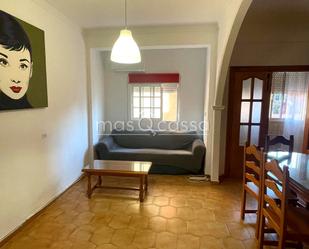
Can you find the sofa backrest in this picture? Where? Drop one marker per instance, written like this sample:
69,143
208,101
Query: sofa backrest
154,139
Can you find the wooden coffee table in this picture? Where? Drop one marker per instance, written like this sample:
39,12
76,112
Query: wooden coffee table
118,168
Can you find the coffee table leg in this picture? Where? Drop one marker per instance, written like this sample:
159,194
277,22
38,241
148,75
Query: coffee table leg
141,189
99,181
146,183
89,186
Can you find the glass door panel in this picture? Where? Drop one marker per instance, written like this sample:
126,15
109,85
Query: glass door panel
250,111
258,89
255,134
246,89
245,112
243,135
256,112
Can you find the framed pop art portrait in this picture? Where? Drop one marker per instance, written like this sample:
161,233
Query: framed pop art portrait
22,65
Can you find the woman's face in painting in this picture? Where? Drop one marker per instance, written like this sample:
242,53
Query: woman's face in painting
15,72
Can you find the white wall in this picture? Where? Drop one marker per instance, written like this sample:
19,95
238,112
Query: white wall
34,168
230,19
227,19
98,92
190,63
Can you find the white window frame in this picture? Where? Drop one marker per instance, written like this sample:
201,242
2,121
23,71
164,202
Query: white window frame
131,107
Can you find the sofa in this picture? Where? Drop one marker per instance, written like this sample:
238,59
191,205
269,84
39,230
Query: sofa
170,152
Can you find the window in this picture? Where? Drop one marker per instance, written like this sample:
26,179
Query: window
155,101
288,96
277,105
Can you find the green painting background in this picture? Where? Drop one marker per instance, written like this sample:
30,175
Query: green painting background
37,91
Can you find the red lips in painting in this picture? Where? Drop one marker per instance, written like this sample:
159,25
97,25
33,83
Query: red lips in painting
16,89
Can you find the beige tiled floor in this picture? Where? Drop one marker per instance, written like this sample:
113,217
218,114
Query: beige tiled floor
175,214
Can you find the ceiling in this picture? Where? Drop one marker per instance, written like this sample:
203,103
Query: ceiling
103,13
107,13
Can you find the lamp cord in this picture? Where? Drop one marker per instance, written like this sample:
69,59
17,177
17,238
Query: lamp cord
125,13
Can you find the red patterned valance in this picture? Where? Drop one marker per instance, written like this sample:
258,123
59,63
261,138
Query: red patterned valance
153,78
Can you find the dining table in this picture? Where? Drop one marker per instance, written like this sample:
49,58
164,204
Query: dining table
298,164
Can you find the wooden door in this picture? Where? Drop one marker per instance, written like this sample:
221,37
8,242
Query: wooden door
249,94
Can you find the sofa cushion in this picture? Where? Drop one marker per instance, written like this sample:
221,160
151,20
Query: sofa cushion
150,151
153,139
131,139
179,158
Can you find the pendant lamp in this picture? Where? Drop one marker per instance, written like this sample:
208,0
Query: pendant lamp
125,49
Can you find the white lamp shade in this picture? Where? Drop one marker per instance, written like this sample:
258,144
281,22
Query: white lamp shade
125,49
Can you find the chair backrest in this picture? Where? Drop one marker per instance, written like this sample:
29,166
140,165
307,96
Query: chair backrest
279,140
253,160
275,180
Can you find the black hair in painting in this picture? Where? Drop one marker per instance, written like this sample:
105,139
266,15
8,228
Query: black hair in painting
12,34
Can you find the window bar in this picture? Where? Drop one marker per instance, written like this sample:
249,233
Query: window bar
152,102
140,102
161,102
282,94
250,110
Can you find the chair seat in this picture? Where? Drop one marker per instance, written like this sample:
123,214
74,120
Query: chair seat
298,221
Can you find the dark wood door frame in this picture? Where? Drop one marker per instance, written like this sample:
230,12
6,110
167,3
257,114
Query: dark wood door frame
299,68
270,69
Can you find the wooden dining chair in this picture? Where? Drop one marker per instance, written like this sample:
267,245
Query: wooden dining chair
279,140
290,223
252,171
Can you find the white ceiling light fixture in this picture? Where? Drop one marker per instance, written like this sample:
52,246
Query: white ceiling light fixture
125,49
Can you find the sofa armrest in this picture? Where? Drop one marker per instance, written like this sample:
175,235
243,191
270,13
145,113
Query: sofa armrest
198,147
107,143
103,147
